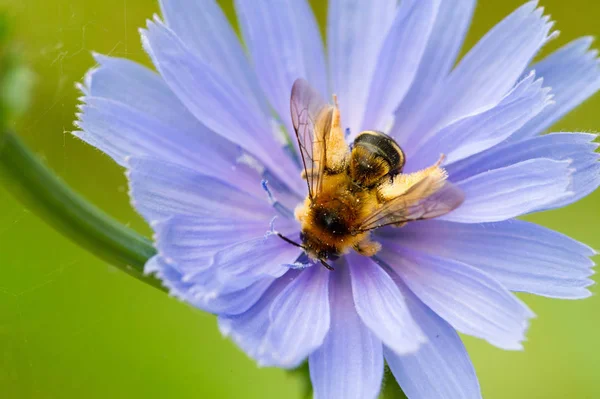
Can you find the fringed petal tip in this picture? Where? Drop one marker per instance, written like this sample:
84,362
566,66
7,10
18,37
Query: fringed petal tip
88,79
168,276
534,259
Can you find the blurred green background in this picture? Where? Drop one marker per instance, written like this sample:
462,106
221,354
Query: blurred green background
72,326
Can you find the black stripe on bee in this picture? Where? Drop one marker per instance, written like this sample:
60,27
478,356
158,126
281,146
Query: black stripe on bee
384,146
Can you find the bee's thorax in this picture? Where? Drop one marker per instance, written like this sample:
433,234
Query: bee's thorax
330,220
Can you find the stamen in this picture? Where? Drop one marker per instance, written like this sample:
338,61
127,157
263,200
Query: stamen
275,183
265,187
302,262
279,207
297,265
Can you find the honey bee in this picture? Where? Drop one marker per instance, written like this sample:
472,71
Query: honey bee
355,190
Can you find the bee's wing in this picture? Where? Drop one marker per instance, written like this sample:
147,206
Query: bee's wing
412,205
311,118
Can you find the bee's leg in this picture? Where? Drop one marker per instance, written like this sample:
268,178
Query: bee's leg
367,247
402,182
337,149
327,265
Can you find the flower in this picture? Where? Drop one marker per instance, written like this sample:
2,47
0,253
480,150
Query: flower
202,137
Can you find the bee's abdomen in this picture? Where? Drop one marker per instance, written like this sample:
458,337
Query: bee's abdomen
384,146
374,155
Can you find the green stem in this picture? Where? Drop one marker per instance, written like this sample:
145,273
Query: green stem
46,195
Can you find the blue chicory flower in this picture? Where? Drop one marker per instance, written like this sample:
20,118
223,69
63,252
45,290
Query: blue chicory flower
201,137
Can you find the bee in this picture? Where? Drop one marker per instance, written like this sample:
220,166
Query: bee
355,190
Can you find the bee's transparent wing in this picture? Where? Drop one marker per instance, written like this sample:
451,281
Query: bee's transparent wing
311,118
412,206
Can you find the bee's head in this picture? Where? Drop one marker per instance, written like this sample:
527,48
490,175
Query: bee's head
315,249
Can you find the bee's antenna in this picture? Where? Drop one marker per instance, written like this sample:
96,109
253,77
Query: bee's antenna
327,265
294,243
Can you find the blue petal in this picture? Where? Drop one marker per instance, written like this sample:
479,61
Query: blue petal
249,329
210,253
577,147
349,364
399,60
170,277
483,76
217,103
511,191
573,73
356,30
441,368
121,131
479,132
470,300
446,38
299,318
132,84
205,30
130,111
382,307
192,241
244,263
161,189
586,180
231,303
285,44
522,256
497,61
